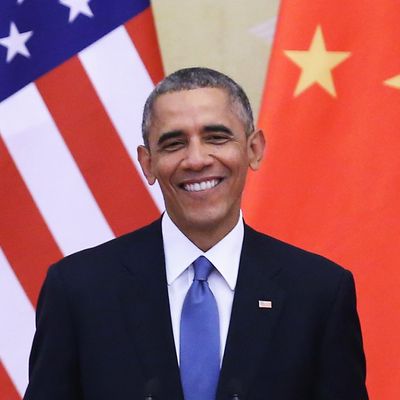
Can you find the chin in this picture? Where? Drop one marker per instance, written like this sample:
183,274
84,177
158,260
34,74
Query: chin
209,219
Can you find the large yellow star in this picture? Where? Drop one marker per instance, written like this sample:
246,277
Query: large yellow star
316,64
393,82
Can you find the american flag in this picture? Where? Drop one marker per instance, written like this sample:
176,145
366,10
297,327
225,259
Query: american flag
74,75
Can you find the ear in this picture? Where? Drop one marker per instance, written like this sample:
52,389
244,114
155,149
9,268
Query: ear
144,158
255,149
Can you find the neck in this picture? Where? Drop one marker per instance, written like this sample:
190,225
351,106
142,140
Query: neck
205,237
205,241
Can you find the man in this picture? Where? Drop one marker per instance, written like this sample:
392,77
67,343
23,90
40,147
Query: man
134,318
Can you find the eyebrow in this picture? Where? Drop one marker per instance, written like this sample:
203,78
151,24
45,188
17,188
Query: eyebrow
217,128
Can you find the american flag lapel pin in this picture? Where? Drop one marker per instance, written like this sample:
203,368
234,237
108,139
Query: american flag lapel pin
264,304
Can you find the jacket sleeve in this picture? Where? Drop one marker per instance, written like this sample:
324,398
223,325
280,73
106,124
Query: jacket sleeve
342,371
53,363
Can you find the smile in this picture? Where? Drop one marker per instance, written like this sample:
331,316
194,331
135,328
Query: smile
199,186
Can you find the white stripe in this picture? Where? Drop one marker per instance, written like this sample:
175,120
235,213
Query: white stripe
17,322
49,171
123,84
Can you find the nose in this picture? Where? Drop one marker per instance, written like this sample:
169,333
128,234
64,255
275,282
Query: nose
197,156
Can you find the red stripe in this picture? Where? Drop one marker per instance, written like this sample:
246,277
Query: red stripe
24,235
7,388
96,147
142,31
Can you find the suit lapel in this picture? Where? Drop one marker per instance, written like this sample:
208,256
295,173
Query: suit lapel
250,327
146,308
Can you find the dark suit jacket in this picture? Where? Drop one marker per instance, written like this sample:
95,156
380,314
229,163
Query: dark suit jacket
104,329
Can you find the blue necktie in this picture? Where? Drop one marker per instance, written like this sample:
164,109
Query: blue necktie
199,337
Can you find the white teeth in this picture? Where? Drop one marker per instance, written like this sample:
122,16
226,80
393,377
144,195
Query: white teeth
197,187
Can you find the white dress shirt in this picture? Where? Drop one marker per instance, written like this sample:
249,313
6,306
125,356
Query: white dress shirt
180,253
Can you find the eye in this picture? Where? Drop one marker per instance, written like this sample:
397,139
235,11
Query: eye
172,145
217,138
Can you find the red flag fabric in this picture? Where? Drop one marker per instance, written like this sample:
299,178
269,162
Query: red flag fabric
331,179
73,80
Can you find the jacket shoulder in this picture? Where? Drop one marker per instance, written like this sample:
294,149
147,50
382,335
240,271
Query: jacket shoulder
292,260
107,255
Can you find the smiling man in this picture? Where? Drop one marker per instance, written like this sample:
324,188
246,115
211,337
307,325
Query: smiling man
197,305
199,149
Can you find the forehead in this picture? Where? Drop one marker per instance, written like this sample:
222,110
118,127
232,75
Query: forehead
186,99
195,106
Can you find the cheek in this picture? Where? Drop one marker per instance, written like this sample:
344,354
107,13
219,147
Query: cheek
238,161
164,170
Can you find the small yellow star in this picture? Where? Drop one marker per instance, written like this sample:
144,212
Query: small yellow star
316,64
393,82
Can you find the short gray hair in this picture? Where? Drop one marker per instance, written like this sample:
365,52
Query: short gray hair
195,78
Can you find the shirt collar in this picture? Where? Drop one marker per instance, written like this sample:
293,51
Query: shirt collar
180,252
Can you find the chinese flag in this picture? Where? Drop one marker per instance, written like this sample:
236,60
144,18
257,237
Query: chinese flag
331,179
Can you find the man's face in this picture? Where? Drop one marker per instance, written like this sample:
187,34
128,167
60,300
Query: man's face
199,153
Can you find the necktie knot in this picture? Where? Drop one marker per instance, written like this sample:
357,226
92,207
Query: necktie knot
202,268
